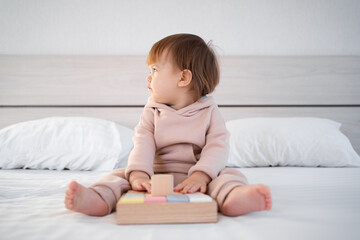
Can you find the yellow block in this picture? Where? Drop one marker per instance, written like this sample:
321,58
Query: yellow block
132,200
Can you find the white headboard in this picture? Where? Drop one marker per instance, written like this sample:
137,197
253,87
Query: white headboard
114,88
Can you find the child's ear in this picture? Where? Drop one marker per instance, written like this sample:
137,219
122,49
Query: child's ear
186,78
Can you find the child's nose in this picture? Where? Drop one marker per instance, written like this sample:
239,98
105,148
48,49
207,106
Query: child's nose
148,78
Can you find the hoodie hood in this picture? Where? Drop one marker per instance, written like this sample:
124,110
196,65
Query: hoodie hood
203,102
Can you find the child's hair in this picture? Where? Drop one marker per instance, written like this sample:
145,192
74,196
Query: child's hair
190,52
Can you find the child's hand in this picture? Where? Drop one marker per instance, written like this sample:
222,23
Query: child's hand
140,181
141,184
197,181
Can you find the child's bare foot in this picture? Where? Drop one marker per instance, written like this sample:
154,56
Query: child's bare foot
245,199
84,200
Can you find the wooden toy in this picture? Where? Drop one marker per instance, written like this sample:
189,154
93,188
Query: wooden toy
165,206
162,184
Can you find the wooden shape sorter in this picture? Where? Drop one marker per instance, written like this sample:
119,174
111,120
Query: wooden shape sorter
174,208
144,208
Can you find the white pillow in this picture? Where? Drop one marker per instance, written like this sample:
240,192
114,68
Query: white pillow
74,143
309,142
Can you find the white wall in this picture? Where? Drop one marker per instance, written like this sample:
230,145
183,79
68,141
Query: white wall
250,27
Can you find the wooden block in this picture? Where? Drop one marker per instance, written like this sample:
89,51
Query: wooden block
199,197
155,199
133,192
162,184
177,198
165,212
127,200
134,195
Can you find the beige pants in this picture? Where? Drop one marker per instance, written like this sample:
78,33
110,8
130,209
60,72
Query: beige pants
114,184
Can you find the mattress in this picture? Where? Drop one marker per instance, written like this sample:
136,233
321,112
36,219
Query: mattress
308,203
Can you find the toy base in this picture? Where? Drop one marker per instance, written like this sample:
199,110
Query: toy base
179,212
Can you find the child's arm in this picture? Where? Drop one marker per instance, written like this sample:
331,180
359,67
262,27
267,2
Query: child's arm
197,181
213,157
142,155
214,154
140,181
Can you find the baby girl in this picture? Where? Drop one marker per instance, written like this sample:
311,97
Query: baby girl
181,132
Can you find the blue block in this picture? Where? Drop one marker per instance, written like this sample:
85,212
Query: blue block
172,198
132,195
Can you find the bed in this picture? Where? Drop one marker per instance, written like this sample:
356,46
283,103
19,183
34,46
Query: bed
294,125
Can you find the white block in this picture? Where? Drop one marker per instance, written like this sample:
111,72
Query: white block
198,197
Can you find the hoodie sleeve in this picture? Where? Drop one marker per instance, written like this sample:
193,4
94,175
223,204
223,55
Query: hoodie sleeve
142,156
214,155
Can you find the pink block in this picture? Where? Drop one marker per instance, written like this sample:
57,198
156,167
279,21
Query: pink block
152,199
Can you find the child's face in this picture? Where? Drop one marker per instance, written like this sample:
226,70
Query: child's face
163,80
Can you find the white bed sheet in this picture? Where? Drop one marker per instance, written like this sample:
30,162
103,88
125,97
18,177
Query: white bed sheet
308,203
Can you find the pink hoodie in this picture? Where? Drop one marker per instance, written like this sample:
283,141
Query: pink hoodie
191,139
